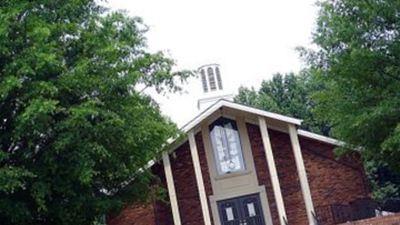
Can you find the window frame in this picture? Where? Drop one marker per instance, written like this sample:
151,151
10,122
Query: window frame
222,121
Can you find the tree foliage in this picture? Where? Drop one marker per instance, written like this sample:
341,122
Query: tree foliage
74,130
287,94
358,59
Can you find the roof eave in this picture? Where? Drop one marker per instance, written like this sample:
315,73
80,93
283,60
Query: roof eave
224,103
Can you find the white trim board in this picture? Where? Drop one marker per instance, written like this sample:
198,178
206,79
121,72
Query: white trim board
320,138
225,103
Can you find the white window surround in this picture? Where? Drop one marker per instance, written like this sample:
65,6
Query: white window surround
245,144
234,184
226,146
197,124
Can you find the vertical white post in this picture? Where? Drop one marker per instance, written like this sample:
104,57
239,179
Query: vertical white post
272,170
305,188
199,178
171,189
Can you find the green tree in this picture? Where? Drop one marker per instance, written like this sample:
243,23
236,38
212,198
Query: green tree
74,130
287,94
358,60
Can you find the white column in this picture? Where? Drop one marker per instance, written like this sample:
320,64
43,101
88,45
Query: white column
305,188
272,171
199,179
171,189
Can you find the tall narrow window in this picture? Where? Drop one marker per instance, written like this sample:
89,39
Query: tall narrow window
226,144
211,78
218,78
203,80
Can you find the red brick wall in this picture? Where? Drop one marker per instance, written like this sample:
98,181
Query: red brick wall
162,210
157,212
134,215
287,174
382,220
331,181
185,182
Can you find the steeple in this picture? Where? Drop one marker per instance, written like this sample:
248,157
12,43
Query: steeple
212,86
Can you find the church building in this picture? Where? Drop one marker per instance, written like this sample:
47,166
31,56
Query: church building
238,165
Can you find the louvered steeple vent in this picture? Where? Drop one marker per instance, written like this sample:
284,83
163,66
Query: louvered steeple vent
211,81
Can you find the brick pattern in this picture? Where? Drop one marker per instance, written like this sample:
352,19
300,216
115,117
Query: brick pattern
382,220
159,213
185,182
204,170
331,181
162,210
155,213
263,174
141,214
287,174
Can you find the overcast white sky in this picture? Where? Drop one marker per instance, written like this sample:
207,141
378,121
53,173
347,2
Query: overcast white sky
251,40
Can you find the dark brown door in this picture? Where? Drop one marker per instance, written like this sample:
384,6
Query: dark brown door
244,210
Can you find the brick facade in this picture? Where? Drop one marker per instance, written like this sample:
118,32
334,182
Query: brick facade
157,212
331,181
382,220
141,214
185,182
287,174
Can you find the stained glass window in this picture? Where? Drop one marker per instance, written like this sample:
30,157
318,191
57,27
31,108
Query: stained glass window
226,144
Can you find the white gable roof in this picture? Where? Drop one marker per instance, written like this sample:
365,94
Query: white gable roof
225,103
320,138
175,143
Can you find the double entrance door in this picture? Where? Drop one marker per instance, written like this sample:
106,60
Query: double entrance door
244,210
